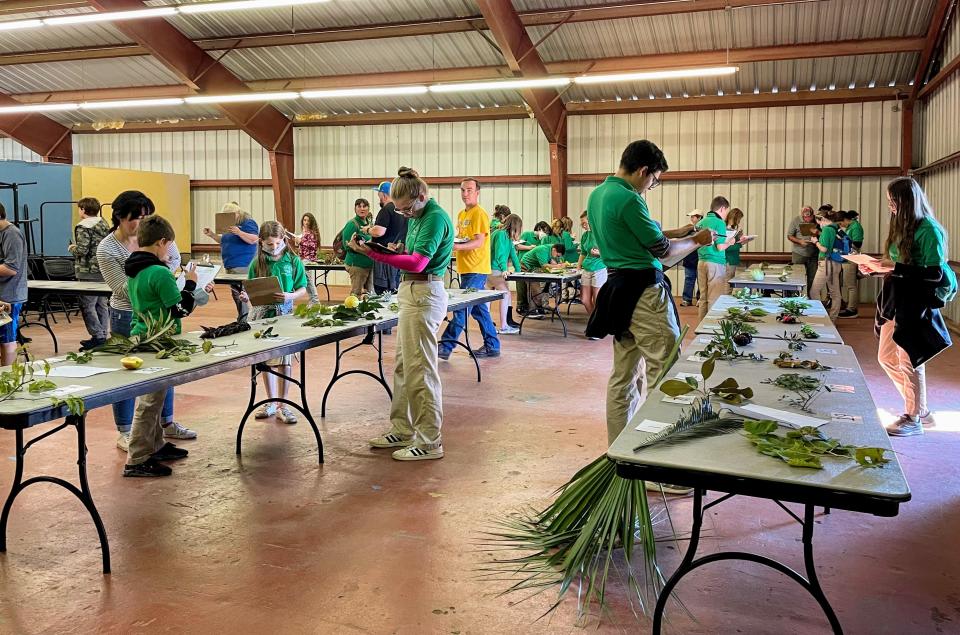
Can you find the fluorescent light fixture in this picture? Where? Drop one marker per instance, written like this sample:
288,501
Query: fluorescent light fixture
652,75
507,84
240,5
363,92
110,16
37,108
20,24
243,97
131,103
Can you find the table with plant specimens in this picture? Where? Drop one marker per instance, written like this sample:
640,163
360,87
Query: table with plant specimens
796,425
793,318
773,278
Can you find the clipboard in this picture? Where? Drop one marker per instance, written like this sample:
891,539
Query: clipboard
205,275
382,249
807,229
224,221
261,290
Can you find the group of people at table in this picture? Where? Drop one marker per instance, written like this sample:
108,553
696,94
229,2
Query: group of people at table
619,255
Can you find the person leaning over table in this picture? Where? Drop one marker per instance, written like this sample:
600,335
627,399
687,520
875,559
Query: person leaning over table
530,239
502,254
129,208
473,265
87,235
593,273
849,282
690,262
635,305
537,258
237,248
416,412
917,283
13,284
359,265
803,251
712,265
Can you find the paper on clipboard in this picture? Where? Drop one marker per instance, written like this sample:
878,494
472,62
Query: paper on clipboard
676,255
807,229
869,262
205,275
262,291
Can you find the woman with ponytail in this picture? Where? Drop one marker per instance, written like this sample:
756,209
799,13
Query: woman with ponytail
416,413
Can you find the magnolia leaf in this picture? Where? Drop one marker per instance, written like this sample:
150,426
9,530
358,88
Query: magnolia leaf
706,369
733,398
675,387
870,457
759,428
727,384
692,381
747,392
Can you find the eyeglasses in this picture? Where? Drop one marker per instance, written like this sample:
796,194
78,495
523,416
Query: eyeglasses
656,182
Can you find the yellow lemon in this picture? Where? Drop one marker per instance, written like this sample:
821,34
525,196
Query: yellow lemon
351,302
131,363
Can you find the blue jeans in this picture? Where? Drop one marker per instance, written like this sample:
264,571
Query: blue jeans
480,312
689,283
123,410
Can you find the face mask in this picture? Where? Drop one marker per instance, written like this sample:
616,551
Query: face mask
540,233
276,252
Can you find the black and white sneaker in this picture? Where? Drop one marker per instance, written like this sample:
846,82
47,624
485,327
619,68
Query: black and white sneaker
390,440
149,468
535,314
169,452
485,351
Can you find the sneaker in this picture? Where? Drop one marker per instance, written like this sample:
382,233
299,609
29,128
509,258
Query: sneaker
169,452
513,324
535,314
686,303
442,354
150,467
174,430
676,490
485,351
927,420
905,426
285,415
416,453
508,330
389,440
848,313
266,411
91,343
123,441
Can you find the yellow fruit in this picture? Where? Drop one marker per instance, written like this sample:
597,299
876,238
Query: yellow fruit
131,363
351,302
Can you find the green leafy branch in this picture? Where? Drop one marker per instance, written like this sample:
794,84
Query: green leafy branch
807,332
158,338
796,308
807,446
794,341
728,390
22,374
724,344
805,389
80,358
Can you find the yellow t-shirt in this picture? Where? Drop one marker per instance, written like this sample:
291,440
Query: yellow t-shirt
470,223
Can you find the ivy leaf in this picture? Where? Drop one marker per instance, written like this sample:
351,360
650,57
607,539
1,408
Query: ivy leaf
759,428
675,387
804,460
706,369
208,345
870,457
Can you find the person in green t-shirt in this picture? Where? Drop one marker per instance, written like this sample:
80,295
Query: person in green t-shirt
531,239
734,219
632,244
502,254
915,238
593,273
153,293
359,266
827,278
712,265
849,278
416,413
500,213
539,257
275,258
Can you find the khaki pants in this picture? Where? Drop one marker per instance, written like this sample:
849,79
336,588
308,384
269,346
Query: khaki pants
849,285
712,280
639,356
361,280
828,279
731,272
417,409
910,382
146,434
535,295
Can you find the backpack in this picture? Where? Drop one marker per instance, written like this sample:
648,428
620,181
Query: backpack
841,247
339,249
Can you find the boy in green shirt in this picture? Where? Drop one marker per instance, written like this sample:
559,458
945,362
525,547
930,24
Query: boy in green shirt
153,292
712,268
532,292
849,280
359,266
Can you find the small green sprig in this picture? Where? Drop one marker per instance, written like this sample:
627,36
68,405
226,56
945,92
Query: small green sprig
805,389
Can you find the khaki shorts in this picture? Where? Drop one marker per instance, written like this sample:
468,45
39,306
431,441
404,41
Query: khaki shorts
593,279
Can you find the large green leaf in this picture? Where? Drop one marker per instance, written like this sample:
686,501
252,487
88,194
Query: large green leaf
675,387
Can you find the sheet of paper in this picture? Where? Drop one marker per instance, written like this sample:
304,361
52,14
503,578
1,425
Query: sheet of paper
783,416
868,261
205,275
79,371
149,371
63,391
649,425
676,255
261,290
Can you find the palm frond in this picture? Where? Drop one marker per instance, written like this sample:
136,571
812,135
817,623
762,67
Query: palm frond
699,422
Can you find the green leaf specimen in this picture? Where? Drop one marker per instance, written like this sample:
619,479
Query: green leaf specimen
807,446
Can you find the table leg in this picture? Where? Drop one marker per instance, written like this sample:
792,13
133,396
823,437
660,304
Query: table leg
690,563
326,286
303,407
557,295
337,375
466,337
82,493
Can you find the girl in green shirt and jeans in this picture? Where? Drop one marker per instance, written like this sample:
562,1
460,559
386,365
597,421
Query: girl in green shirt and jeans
828,270
593,273
502,254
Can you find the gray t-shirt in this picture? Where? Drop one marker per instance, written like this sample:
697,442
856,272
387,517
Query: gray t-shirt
807,250
13,254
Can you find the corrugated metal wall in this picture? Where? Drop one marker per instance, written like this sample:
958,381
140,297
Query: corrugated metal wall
938,129
12,151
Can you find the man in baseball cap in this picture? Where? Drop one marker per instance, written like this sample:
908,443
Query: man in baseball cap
690,266
389,228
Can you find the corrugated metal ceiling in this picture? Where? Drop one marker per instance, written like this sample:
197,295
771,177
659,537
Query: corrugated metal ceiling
88,74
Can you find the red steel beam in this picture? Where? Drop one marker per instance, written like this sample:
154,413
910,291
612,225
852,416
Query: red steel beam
195,68
41,134
937,22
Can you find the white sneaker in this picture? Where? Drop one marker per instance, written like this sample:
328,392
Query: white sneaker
389,440
174,430
927,420
508,330
416,453
285,415
676,490
266,411
123,441
905,426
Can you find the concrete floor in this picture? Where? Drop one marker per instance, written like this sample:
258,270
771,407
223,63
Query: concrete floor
363,544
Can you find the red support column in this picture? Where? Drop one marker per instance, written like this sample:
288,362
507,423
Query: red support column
558,177
281,175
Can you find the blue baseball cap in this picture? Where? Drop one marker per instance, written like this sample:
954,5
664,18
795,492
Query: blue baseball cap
384,188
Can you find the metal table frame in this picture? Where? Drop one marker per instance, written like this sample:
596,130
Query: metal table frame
40,290
554,284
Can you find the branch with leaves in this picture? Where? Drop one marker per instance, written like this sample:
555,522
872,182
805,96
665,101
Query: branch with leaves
808,446
158,338
22,374
805,389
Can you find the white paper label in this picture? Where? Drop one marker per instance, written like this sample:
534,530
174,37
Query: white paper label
827,351
683,376
649,425
841,369
683,400
840,388
149,371
225,353
63,391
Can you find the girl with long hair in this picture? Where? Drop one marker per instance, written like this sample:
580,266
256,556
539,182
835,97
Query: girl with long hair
307,242
502,254
828,269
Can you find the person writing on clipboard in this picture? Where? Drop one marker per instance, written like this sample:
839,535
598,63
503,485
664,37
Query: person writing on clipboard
389,228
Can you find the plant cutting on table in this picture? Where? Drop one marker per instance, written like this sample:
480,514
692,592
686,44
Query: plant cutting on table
787,360
22,374
158,338
724,343
807,446
805,389
352,309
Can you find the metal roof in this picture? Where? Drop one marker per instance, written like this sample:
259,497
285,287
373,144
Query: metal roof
79,75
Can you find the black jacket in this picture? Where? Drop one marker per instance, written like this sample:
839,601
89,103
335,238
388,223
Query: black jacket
909,296
618,298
